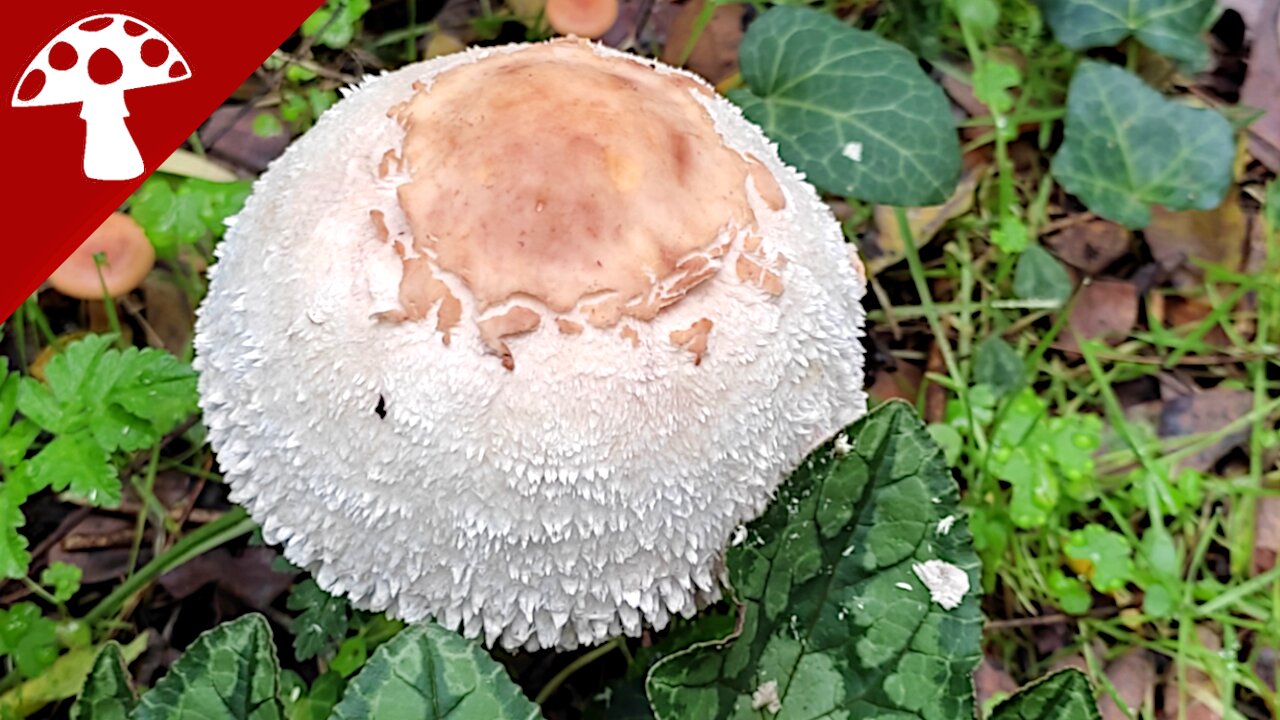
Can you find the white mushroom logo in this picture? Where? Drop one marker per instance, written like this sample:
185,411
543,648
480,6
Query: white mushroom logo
92,63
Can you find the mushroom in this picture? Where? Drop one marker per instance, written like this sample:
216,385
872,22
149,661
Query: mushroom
92,63
517,338
128,257
584,18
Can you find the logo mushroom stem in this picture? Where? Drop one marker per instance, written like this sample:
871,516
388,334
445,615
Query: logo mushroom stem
545,324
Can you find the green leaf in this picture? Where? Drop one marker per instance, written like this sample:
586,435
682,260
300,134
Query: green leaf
1062,696
1126,147
1039,276
1106,554
335,24
836,618
853,111
428,672
314,704
77,462
267,125
156,386
185,212
15,442
229,672
997,365
107,693
63,580
63,679
29,638
1170,27
14,558
323,621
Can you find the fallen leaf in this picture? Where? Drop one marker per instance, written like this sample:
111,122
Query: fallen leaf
188,164
991,681
247,576
1205,412
1201,695
885,248
1091,246
229,132
1104,309
98,565
1261,87
900,381
1187,312
1178,239
169,314
1134,677
1266,538
715,55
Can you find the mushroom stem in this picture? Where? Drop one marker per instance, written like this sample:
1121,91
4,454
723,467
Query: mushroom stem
109,150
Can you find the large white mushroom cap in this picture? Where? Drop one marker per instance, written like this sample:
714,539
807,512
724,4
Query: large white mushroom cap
517,338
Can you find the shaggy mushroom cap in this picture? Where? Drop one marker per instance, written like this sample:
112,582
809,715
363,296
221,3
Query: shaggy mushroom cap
127,258
517,338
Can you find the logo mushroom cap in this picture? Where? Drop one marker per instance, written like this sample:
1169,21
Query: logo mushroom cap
517,338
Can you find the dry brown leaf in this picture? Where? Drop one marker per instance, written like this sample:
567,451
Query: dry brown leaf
168,314
1217,236
1134,677
990,680
1105,309
1261,87
1090,246
884,248
1203,413
247,576
237,143
1266,537
715,56
901,381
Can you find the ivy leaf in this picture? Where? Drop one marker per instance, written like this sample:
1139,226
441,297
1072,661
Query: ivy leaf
323,621
1062,696
230,672
430,673
107,693
1039,276
837,619
853,111
1169,28
997,365
1126,147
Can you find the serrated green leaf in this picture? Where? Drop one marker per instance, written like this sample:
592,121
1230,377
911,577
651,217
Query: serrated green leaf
1062,696
14,558
230,673
851,110
15,442
1039,276
107,693
323,621
156,386
62,579
76,462
8,394
428,672
1126,147
39,404
1170,27
840,624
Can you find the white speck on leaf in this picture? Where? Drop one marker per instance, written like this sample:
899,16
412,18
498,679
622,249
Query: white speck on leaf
903,586
853,151
945,524
739,534
842,446
766,697
947,583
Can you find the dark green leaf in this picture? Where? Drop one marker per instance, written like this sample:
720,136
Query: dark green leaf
427,672
851,110
1062,696
228,673
1039,276
1126,148
1170,27
107,693
838,620
997,365
322,622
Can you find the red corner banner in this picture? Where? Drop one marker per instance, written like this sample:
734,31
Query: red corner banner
95,94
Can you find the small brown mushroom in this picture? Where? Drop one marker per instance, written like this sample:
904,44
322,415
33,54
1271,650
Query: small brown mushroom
129,257
584,18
